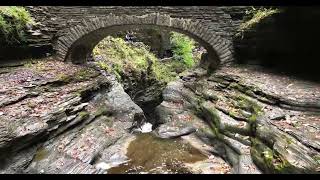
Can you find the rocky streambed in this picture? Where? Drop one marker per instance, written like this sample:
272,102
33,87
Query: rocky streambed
63,118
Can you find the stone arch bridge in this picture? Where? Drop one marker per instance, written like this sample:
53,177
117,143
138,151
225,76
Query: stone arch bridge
74,31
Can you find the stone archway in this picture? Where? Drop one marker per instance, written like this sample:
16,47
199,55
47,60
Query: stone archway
79,41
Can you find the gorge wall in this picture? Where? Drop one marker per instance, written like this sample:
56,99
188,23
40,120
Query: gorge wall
286,40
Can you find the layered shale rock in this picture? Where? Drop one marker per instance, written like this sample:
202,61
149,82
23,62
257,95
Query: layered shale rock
75,114
258,121
64,118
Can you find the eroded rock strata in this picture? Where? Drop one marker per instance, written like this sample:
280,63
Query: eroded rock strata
63,118
257,120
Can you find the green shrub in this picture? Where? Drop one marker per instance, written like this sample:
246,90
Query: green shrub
120,57
167,72
123,53
254,16
13,22
182,48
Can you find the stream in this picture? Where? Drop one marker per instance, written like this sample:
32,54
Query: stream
150,154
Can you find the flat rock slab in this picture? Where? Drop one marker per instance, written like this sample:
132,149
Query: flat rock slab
167,131
213,165
275,83
246,165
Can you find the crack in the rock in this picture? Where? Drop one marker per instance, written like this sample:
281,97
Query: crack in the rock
28,95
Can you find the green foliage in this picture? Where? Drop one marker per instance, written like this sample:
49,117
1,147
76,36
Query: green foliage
182,48
167,72
120,57
276,162
123,53
13,21
254,16
272,161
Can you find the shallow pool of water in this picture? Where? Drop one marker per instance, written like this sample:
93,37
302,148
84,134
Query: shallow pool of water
150,154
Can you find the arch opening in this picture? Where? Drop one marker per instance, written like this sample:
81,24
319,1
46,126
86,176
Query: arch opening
157,45
88,34
143,73
84,46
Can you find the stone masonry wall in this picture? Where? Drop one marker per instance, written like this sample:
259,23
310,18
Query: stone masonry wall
222,20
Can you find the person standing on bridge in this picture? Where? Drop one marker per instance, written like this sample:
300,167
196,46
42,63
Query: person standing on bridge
130,37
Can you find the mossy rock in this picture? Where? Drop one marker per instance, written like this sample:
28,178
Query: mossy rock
236,86
210,113
270,161
317,158
246,131
83,74
209,95
247,104
63,79
103,111
83,114
249,90
283,158
108,120
218,80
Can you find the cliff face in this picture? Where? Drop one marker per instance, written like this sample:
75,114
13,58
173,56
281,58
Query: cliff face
286,40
